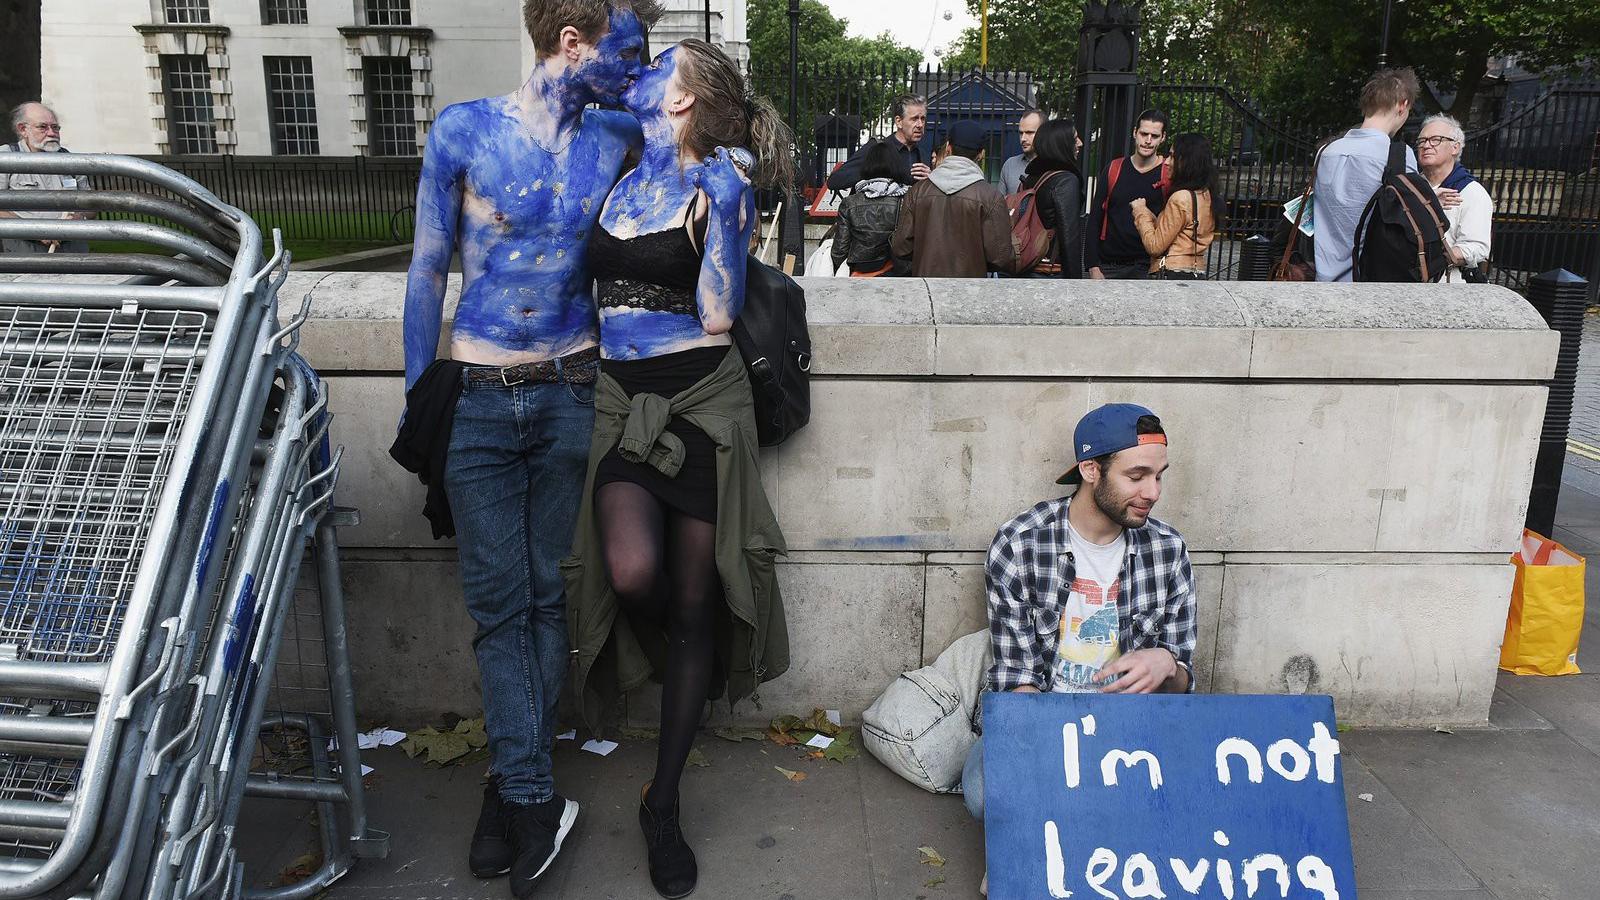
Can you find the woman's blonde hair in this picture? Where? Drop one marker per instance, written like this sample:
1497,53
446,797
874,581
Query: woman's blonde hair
726,114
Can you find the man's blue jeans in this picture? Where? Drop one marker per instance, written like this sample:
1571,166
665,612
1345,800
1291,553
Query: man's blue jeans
972,781
514,477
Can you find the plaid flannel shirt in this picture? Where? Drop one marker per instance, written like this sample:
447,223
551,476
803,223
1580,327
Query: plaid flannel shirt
1030,569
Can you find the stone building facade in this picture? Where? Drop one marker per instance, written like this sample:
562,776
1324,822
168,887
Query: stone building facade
292,77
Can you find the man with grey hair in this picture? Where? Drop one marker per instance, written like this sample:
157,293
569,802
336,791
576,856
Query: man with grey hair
1467,205
37,130
911,162
1011,171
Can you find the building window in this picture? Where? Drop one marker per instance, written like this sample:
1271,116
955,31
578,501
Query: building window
391,118
388,12
291,105
188,12
283,12
186,84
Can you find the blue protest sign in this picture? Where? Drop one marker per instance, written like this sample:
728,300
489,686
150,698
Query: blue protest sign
1121,797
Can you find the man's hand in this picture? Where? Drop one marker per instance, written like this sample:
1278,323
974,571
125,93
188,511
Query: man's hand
1457,257
1449,198
919,171
1138,204
1142,671
1096,274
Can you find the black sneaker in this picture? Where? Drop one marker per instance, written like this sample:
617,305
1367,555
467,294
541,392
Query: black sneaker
673,869
537,830
490,854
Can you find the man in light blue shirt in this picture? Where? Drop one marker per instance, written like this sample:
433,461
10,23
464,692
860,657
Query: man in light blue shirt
1351,169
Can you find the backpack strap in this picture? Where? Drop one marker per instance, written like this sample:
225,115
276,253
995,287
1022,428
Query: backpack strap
1305,198
1112,172
1397,158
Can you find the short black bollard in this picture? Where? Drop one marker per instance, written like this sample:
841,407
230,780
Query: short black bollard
1256,259
1560,297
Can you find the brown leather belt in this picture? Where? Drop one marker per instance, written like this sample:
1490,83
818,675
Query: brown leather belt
574,368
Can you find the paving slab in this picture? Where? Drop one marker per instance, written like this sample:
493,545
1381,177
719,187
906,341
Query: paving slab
1518,808
1393,850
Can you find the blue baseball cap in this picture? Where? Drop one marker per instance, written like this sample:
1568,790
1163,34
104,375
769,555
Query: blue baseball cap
967,134
1107,429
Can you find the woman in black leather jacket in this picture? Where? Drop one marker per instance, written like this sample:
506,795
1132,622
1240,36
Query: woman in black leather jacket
868,216
1060,199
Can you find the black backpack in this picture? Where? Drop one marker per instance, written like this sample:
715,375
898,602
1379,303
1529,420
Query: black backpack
1401,233
771,336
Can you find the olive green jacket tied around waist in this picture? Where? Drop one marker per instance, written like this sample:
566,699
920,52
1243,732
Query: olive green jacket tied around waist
617,653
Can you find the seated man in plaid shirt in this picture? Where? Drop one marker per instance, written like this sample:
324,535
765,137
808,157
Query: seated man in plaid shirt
1088,592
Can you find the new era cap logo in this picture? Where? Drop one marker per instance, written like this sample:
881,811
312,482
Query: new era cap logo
1085,448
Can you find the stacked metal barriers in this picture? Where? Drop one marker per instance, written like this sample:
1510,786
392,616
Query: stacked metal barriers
163,465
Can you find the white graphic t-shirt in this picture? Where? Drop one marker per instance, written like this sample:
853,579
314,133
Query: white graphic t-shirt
1089,618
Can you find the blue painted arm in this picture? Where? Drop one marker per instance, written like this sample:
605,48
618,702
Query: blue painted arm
730,220
438,209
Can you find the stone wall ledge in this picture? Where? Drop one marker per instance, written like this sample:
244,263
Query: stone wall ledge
1046,328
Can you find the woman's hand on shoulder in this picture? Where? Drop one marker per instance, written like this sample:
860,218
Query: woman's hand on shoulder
723,180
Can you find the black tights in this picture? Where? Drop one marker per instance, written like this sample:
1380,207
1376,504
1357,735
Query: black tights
662,565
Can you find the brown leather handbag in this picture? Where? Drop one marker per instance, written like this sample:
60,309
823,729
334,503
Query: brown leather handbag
1299,266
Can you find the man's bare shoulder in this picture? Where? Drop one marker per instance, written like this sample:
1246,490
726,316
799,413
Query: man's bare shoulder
615,124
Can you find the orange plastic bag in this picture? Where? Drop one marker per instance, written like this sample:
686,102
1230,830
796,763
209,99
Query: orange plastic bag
1546,615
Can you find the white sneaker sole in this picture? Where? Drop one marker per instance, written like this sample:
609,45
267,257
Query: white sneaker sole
569,817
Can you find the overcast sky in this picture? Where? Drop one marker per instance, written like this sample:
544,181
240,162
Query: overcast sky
915,23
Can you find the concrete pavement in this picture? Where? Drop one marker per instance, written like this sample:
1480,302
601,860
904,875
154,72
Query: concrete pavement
1507,812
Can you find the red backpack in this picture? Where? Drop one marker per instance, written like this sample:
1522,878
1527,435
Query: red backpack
1031,239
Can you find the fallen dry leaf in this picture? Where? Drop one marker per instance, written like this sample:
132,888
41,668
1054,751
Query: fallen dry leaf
781,738
935,881
930,856
697,758
792,775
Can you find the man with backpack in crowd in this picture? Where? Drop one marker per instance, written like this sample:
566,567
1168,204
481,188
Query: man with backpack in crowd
1011,171
1114,248
1351,169
954,224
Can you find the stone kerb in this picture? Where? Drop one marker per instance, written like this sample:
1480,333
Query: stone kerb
1351,467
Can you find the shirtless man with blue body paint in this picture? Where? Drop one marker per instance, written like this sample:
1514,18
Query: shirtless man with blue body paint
514,184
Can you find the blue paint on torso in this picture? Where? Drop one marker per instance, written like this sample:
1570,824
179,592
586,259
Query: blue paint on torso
519,209
655,197
524,223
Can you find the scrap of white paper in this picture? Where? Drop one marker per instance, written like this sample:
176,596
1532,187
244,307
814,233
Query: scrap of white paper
370,740
1366,797
366,770
388,737
568,735
833,716
601,748
820,741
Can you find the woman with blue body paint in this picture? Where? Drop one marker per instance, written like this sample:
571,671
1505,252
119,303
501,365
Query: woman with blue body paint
671,576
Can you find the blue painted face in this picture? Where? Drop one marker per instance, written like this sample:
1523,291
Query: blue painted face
649,91
618,59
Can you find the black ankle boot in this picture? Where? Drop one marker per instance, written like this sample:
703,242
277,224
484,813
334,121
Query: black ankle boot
673,869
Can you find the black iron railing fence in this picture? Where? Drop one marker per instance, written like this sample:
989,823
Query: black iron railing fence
1538,159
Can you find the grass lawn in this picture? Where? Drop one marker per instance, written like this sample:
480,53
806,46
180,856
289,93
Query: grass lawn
336,232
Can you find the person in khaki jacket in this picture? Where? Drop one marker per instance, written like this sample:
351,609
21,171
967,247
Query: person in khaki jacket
954,224
1177,240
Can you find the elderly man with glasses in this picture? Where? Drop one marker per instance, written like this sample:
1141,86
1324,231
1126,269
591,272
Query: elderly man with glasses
1439,147
38,131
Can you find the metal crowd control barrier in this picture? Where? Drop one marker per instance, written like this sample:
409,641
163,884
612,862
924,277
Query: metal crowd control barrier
156,493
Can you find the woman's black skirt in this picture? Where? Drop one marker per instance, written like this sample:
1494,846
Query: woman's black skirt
694,491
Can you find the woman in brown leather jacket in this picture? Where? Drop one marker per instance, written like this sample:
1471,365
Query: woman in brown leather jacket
1177,240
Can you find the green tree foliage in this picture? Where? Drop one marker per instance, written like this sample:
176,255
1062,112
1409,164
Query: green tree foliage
862,74
1305,59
